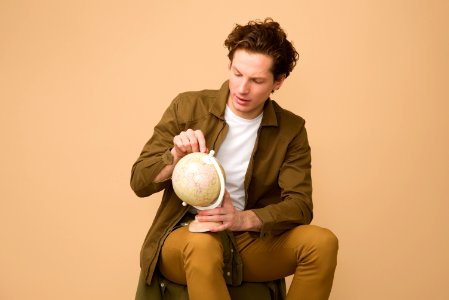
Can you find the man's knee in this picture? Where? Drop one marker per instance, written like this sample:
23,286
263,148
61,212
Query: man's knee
318,239
327,240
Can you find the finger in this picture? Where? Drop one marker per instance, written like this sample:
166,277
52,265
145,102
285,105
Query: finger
201,140
227,224
227,202
187,141
193,140
218,228
178,145
214,218
210,212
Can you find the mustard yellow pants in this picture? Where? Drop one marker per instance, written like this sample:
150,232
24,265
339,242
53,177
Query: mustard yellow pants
196,260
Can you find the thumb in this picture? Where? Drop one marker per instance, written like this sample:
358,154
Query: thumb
227,199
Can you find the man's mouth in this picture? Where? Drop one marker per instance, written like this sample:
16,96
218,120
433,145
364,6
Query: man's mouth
240,100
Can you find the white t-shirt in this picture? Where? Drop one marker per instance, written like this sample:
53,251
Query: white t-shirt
235,152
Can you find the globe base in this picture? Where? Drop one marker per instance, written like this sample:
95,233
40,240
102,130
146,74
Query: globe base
197,226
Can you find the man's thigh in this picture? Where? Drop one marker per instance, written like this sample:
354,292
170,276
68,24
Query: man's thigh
182,244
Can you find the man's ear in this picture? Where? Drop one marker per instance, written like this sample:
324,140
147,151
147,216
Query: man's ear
278,83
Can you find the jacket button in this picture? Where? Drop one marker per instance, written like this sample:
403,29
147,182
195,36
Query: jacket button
162,284
228,273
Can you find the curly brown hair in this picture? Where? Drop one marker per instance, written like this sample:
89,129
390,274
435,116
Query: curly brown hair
266,37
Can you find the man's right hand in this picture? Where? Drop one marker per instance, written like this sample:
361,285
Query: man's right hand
186,142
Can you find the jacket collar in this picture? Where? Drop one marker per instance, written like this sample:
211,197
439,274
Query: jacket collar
218,107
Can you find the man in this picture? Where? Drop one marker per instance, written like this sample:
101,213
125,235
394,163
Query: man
266,157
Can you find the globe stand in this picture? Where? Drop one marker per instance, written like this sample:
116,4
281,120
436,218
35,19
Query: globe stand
197,226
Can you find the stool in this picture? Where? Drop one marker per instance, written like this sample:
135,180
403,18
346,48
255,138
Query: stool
168,290
247,290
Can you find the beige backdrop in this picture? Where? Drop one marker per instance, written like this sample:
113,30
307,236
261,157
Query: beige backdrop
82,83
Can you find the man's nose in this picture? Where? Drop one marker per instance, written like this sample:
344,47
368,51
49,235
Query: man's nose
244,87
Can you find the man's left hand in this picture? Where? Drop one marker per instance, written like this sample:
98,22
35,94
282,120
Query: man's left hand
231,218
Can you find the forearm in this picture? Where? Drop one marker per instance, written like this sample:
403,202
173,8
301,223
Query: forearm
167,171
145,171
283,216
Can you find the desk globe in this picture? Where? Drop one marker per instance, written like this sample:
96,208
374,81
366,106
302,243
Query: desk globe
199,180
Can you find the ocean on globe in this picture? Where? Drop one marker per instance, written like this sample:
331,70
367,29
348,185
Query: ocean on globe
196,179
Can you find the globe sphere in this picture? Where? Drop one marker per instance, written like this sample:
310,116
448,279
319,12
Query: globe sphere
196,179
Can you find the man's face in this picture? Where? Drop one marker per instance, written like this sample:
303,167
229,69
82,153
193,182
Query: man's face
250,83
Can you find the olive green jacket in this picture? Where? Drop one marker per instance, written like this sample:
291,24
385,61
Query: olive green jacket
277,183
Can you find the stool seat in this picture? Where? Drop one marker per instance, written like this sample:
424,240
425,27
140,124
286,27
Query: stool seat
273,290
163,289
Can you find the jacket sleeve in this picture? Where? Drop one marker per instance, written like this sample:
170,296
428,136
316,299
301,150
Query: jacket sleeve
156,155
294,180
